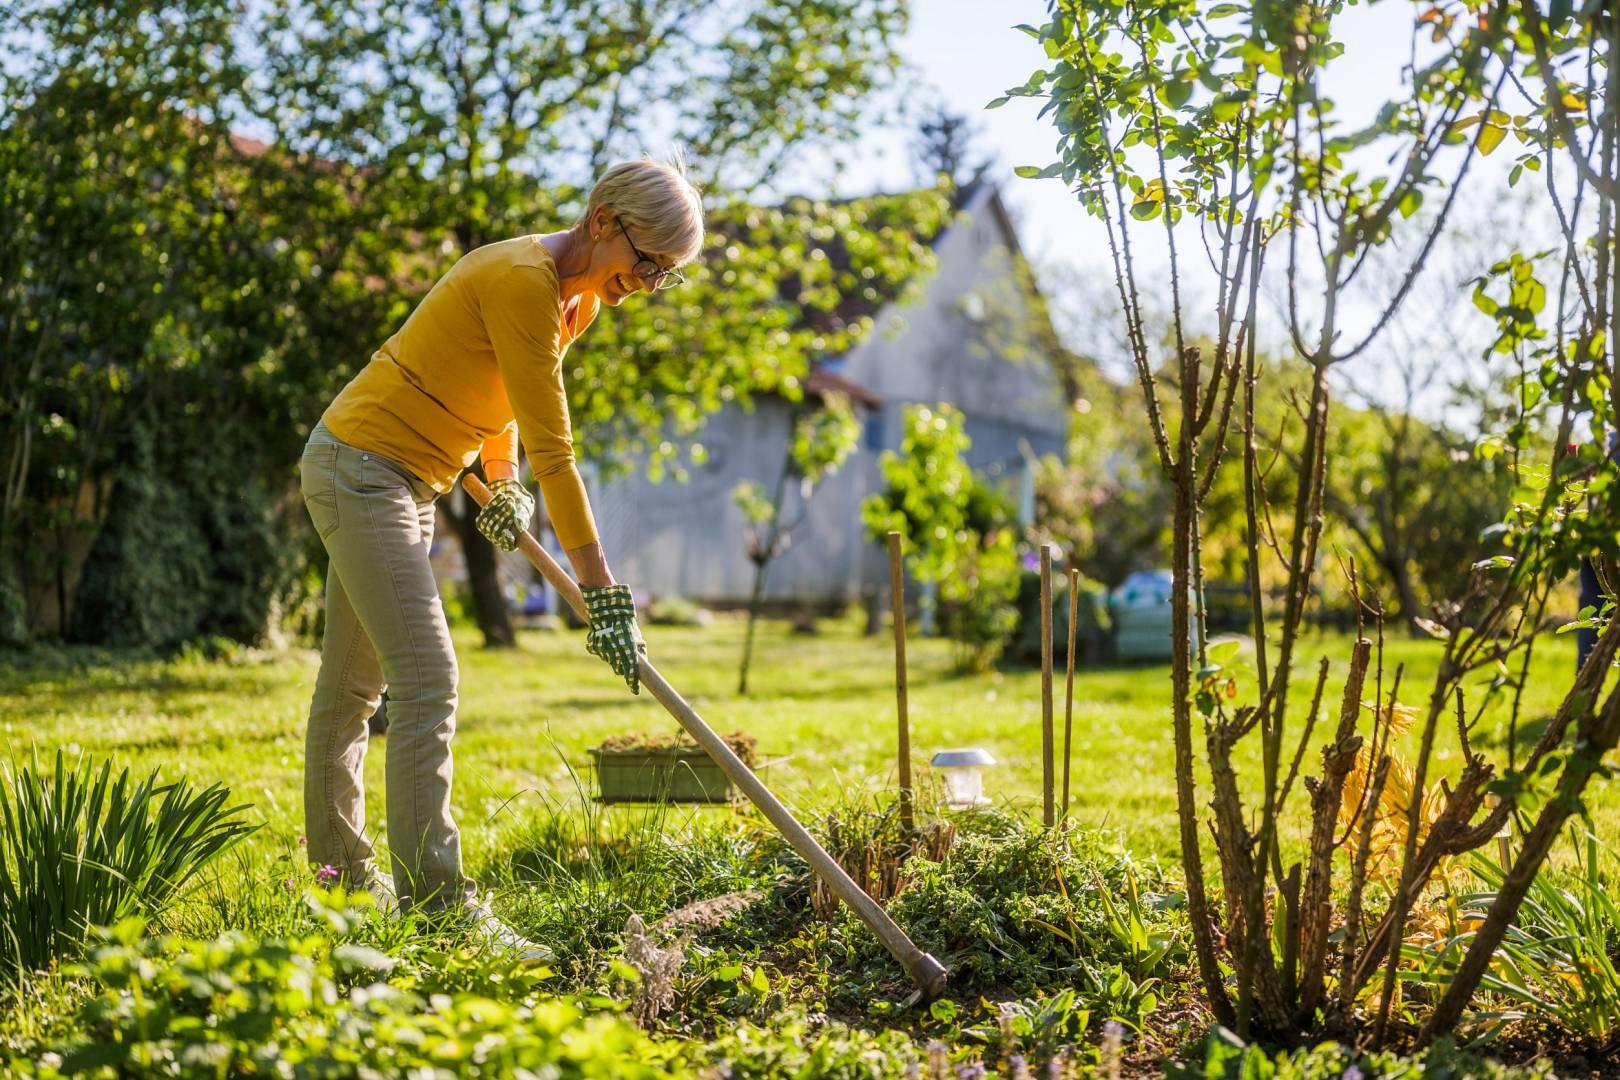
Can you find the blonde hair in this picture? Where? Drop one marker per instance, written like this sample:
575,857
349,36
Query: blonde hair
658,202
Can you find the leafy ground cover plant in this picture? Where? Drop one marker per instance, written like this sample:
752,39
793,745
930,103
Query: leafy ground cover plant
1225,1057
723,919
324,1004
79,848
1098,936
792,1044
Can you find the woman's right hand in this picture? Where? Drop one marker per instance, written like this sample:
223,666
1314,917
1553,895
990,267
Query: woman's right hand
614,635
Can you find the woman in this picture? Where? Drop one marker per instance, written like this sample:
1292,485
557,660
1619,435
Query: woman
476,367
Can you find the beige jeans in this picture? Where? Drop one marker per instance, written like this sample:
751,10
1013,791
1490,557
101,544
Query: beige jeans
385,629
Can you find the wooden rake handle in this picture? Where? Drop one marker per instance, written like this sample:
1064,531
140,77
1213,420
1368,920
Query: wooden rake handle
929,974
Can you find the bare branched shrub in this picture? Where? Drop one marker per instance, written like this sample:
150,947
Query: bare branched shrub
1208,123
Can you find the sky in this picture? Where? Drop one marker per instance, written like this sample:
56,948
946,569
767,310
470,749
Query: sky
968,53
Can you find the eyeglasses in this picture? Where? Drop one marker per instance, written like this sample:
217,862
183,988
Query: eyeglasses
656,277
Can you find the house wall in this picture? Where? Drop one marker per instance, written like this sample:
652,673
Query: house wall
967,342
689,538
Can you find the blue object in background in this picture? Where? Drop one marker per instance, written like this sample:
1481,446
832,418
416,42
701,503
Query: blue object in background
1142,616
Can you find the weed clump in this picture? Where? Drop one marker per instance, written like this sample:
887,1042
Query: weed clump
744,745
1012,906
575,881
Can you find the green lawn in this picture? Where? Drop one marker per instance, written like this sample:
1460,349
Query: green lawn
823,712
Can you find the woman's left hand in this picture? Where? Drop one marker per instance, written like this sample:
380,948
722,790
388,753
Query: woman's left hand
614,635
507,513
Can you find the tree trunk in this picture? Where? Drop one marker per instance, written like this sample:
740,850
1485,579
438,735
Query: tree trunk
767,551
754,603
1406,595
483,574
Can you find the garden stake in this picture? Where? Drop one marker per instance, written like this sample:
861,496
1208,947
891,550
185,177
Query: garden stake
1047,814
897,600
1068,690
928,973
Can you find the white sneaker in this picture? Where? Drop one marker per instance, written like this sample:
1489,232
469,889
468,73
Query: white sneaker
489,927
383,892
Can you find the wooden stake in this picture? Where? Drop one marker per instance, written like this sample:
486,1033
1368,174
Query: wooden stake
897,600
1068,691
1048,811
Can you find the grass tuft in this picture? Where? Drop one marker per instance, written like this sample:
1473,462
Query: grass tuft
79,848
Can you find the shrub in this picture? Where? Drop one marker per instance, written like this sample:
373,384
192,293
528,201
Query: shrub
959,532
193,545
979,614
13,612
79,849
677,611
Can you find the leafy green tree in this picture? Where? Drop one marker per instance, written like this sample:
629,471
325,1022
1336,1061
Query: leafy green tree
925,498
142,308
164,386
820,439
946,144
980,611
1414,499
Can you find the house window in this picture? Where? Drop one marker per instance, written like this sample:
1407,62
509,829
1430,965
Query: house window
872,432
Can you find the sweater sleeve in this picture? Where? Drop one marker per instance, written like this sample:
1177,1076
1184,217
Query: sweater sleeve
522,313
501,446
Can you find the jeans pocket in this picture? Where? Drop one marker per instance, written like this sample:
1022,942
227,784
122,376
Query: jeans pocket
323,512
317,477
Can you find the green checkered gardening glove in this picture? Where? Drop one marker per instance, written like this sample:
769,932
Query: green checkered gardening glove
614,635
506,514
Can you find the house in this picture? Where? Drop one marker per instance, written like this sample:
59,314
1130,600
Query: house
969,341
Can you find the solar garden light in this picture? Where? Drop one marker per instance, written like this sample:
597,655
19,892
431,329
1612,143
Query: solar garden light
963,771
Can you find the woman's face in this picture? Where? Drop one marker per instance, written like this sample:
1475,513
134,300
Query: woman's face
614,262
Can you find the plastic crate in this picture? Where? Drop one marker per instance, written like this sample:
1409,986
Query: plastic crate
683,774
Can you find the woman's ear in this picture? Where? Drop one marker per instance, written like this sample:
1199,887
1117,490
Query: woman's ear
599,222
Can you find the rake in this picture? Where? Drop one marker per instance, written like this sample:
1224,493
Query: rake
928,973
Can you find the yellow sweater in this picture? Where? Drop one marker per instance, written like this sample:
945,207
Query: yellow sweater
483,349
